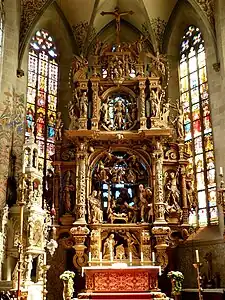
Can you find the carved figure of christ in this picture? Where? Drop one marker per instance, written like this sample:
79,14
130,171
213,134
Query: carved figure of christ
117,16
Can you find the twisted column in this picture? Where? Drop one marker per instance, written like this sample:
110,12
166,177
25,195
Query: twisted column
142,104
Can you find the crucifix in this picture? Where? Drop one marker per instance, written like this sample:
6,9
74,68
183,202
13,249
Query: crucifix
117,15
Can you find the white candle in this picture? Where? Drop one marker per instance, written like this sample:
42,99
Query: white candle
221,171
82,274
89,256
197,256
130,257
100,257
153,257
142,257
111,256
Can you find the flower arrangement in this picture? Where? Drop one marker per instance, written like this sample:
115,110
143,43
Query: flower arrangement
67,275
68,289
177,279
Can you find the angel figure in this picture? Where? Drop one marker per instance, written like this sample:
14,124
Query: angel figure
133,244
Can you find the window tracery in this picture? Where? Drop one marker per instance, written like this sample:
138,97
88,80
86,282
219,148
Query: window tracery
197,126
42,95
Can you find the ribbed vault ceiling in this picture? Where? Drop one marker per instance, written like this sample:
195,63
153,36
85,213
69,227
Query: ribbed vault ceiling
149,16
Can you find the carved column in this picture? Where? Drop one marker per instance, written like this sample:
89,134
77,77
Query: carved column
82,121
56,186
95,104
80,209
183,164
142,104
159,206
160,229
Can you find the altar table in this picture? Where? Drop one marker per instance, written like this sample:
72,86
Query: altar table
125,282
121,279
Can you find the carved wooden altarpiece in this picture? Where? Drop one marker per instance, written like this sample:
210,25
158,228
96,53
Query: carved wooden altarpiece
120,167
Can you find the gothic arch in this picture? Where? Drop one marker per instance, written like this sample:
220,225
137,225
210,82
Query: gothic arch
93,159
32,27
183,15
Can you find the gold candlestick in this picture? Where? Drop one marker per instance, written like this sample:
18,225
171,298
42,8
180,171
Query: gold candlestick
197,266
45,270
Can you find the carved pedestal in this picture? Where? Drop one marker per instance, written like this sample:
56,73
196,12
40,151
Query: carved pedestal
79,235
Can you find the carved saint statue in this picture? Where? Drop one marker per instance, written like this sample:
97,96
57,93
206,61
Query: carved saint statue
119,111
95,208
108,248
144,195
191,195
83,105
179,121
155,104
172,193
58,127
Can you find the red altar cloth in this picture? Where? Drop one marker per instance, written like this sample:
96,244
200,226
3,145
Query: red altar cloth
120,278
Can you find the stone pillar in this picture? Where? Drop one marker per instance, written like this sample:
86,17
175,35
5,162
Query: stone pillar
142,104
95,104
80,207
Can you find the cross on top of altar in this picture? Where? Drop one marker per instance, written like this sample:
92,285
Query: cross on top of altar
117,15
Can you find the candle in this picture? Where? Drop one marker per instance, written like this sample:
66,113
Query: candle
100,257
197,256
111,256
44,259
142,257
130,257
221,171
153,257
89,256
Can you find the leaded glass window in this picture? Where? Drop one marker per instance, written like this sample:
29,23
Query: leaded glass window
42,95
197,126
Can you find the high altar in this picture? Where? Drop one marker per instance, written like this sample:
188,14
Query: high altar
120,187
121,190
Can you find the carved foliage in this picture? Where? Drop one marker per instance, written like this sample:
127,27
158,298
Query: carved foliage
30,10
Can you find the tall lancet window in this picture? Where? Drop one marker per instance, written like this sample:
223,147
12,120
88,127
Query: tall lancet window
198,127
42,95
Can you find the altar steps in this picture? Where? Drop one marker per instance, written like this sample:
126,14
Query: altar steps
122,296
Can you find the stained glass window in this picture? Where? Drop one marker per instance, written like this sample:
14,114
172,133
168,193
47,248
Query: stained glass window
197,126
42,95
